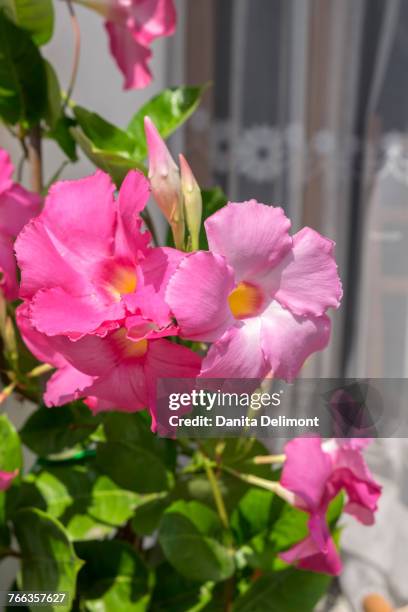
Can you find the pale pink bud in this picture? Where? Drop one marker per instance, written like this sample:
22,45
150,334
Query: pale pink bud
165,181
193,202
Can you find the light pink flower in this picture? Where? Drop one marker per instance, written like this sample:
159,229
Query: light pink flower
93,294
260,294
6,479
17,206
315,472
132,26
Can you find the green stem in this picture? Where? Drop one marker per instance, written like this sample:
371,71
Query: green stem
269,485
77,51
219,501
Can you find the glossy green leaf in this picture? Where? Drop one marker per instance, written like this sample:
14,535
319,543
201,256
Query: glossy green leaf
114,577
256,512
190,535
288,591
48,562
23,80
35,16
168,110
174,593
147,514
61,133
49,431
86,502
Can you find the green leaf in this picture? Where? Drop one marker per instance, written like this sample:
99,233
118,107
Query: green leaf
147,515
49,562
49,431
290,590
174,593
23,81
168,110
213,200
54,100
35,16
189,534
114,577
86,502
11,457
61,133
256,512
106,145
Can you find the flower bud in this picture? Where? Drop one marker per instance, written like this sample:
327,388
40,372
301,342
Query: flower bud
165,182
193,202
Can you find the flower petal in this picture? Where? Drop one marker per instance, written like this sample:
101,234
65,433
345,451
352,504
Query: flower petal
307,555
309,485
251,236
54,312
238,354
6,171
153,18
88,211
197,294
124,386
39,344
133,196
66,385
42,265
8,268
17,207
287,340
6,477
306,280
131,57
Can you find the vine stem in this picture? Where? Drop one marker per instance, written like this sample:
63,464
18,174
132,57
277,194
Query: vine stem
219,501
263,483
35,158
266,459
77,51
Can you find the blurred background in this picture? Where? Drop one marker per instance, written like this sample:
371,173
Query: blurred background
308,109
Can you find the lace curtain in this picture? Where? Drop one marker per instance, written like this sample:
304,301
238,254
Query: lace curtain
308,109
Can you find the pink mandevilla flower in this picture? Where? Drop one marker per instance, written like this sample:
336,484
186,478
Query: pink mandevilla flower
132,26
93,293
6,479
17,206
260,294
315,472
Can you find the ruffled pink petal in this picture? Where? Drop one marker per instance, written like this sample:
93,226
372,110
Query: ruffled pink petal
198,293
238,354
309,485
149,298
39,344
306,280
251,236
287,340
80,217
66,385
139,328
307,555
43,266
131,57
165,359
17,207
8,269
6,171
152,19
6,478
133,196
54,312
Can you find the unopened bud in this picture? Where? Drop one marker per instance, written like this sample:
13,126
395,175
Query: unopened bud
193,202
165,182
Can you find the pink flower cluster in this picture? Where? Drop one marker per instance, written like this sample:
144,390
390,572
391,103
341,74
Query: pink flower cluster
17,206
99,301
315,472
132,25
